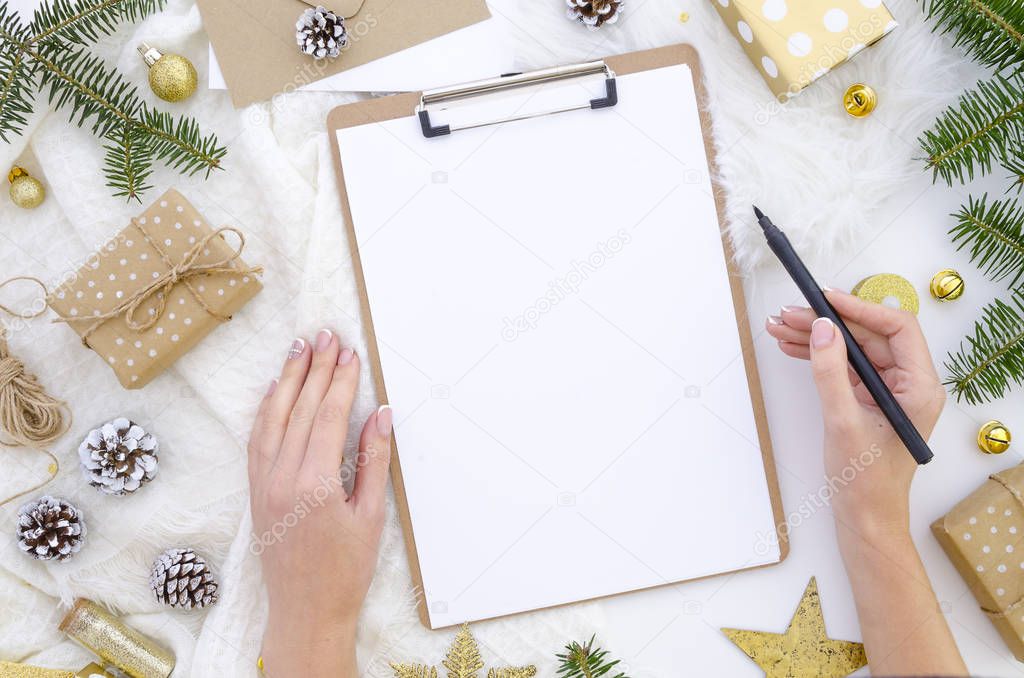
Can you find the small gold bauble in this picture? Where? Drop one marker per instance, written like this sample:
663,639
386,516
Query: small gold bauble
26,191
993,437
879,288
172,77
947,285
860,100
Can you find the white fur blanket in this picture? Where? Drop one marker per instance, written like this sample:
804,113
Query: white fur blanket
278,188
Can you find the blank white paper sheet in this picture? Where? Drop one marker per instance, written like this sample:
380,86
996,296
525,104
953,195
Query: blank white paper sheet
559,343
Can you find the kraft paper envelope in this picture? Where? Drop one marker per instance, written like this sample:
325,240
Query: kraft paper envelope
254,40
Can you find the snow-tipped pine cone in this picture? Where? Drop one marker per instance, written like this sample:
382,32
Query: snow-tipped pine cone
181,578
320,33
50,528
119,457
594,13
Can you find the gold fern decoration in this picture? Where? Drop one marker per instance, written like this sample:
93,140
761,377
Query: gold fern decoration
413,671
463,660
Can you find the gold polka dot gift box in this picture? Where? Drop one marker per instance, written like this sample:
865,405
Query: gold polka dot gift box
792,43
984,537
154,290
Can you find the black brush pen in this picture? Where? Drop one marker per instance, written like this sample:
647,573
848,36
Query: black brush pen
899,420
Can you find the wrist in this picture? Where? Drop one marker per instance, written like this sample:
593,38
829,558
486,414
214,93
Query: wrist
300,644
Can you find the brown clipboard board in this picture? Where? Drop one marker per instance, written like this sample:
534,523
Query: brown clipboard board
404,105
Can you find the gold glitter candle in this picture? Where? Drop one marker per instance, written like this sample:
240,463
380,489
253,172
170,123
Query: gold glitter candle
116,644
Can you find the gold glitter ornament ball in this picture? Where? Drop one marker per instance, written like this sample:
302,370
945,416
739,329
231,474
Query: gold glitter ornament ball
172,77
860,100
993,437
880,288
947,285
26,191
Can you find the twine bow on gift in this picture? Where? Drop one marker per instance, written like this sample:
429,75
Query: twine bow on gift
184,272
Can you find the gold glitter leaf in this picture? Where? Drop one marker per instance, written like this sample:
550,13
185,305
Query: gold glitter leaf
513,672
804,649
413,671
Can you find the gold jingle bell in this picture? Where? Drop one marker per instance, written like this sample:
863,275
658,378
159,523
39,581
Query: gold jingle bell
947,285
172,77
860,100
26,191
993,437
881,288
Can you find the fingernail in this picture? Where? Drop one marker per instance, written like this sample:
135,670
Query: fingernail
823,332
272,387
830,288
298,346
790,309
775,320
323,340
345,357
385,418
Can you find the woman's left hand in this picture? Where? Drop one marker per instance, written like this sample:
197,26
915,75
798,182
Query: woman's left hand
318,546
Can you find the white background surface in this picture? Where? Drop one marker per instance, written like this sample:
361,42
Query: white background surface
579,422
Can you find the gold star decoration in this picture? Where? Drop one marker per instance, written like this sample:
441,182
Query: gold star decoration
462,661
804,649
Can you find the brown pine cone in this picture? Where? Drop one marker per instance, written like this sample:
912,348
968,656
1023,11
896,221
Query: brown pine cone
119,457
594,13
181,578
50,528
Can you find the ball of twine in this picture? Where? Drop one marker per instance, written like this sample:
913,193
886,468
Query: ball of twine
28,414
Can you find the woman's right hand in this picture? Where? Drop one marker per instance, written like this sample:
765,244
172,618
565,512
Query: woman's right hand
873,468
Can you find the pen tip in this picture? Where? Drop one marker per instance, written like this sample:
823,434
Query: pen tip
758,213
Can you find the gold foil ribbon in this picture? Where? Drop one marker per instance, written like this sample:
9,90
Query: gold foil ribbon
115,643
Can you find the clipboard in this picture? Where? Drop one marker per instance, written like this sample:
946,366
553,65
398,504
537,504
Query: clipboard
404,105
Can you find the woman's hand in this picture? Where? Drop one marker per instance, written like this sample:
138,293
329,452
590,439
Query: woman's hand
861,449
318,546
904,630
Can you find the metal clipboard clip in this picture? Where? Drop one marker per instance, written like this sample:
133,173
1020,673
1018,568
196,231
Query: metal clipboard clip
513,81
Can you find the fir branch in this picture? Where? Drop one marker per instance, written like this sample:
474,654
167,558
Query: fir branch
94,91
993,232
180,144
15,103
128,162
977,130
585,661
990,31
994,356
1013,163
84,21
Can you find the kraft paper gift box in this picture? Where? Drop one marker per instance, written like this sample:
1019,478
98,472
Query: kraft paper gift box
792,44
153,291
984,537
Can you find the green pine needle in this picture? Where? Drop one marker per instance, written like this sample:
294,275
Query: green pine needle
51,55
993,234
993,357
1013,163
586,661
990,31
979,129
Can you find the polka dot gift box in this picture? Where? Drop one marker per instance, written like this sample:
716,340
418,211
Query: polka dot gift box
792,43
155,289
984,537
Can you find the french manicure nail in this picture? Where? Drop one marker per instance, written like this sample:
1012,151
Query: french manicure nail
298,346
345,357
272,387
790,309
775,320
823,333
323,340
385,418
